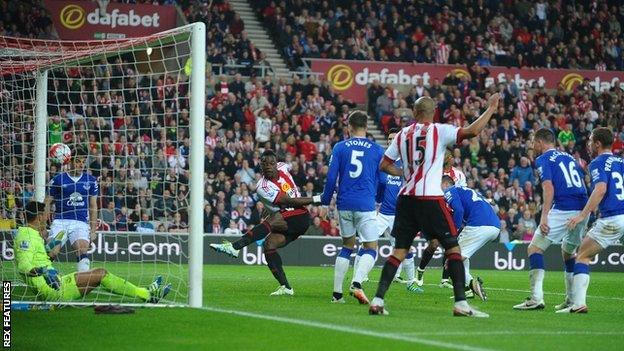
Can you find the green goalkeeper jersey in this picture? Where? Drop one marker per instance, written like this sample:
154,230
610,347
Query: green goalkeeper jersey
30,253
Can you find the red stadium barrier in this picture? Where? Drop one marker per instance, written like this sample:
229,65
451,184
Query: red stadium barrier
352,77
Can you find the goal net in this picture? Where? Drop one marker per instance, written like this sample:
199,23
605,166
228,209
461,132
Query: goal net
136,108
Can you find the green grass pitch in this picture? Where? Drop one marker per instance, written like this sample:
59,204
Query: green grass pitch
239,315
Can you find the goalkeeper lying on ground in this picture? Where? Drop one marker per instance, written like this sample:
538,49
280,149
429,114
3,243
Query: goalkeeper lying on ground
33,260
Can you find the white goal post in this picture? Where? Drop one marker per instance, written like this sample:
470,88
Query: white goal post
170,63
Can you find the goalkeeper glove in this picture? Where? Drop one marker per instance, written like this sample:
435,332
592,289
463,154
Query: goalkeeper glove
52,279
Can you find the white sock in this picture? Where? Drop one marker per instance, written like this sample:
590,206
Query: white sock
536,277
377,301
467,271
580,285
410,269
398,272
366,263
340,269
569,284
356,261
84,264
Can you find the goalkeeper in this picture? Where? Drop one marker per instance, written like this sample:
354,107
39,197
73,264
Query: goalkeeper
33,260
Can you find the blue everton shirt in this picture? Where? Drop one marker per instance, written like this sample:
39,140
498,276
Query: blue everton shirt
567,178
609,169
354,165
388,191
470,208
71,195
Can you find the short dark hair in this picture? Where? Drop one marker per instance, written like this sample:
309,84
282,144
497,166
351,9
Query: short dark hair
267,153
394,130
604,136
448,179
545,135
33,209
358,119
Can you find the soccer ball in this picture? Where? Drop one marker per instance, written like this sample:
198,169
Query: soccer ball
60,153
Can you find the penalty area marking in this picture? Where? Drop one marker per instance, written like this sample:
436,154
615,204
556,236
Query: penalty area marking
350,330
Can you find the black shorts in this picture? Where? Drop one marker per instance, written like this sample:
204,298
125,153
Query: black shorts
430,216
298,222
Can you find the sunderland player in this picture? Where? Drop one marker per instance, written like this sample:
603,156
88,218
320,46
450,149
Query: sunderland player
387,192
33,257
421,205
564,196
288,219
75,197
459,178
607,175
354,164
479,224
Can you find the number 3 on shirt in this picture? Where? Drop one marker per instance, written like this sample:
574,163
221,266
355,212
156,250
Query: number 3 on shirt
355,161
619,185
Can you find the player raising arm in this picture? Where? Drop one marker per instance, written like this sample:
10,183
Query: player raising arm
564,197
354,164
288,219
421,205
75,197
607,174
33,261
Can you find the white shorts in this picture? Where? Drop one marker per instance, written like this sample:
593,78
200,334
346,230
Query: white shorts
607,231
472,239
74,230
386,223
557,221
364,223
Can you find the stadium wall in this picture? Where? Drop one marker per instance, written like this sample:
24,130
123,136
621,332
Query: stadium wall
307,251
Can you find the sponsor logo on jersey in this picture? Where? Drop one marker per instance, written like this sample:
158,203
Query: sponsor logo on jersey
24,244
75,199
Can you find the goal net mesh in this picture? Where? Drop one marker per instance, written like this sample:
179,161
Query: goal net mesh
125,103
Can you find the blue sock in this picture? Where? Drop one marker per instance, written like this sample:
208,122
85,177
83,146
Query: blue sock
581,268
345,253
536,261
409,256
371,252
569,265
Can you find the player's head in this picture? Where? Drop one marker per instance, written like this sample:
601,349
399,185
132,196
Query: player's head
358,123
79,159
448,159
424,109
35,212
392,133
543,140
447,182
601,140
268,163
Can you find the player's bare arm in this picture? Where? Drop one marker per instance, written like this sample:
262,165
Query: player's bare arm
93,216
287,201
388,166
549,194
594,200
477,126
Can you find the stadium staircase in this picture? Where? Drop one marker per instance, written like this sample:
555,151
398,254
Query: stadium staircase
260,37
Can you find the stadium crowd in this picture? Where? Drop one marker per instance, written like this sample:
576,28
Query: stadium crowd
517,33
136,128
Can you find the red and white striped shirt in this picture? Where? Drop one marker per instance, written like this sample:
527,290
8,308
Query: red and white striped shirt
270,191
421,148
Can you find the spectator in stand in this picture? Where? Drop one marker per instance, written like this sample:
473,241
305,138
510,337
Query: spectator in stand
523,172
526,226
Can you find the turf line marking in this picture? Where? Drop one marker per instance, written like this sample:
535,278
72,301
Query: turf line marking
510,332
347,329
546,293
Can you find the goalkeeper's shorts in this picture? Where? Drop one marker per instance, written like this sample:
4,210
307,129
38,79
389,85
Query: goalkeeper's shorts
67,292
